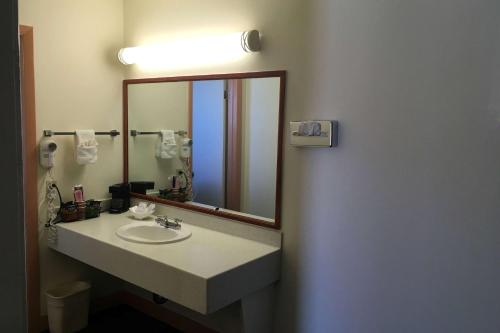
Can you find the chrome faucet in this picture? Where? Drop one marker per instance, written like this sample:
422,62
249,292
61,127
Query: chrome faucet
168,223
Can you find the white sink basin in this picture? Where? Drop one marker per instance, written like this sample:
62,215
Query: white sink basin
151,233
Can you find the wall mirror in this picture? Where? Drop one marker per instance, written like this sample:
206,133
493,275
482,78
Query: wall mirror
209,143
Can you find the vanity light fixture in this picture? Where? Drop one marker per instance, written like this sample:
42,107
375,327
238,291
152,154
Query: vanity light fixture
250,41
209,50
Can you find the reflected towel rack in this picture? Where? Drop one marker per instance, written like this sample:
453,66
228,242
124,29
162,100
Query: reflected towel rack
111,133
136,133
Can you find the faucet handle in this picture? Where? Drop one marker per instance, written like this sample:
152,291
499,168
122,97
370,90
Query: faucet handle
166,222
175,223
161,219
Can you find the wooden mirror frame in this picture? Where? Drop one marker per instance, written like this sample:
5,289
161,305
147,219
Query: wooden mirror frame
213,211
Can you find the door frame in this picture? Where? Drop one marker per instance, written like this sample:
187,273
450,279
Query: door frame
30,162
233,143
233,96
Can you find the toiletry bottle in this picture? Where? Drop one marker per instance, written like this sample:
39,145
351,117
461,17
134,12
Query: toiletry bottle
78,193
79,201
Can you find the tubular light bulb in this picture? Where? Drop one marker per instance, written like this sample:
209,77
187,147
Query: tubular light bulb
188,52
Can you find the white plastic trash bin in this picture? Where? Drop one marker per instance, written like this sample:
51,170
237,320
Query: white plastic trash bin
68,307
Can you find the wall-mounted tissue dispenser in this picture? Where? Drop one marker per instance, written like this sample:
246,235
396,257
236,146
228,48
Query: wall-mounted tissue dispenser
314,133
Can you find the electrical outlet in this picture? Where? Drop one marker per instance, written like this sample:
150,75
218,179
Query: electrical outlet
49,184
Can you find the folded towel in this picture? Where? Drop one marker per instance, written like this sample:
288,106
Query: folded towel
166,148
86,147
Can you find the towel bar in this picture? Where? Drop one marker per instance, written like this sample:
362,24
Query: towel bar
112,133
136,133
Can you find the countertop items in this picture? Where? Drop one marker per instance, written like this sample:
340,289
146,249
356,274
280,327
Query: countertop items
205,272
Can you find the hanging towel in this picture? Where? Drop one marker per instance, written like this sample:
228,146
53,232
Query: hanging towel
167,146
86,147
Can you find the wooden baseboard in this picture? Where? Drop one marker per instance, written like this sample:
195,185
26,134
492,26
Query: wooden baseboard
43,323
145,306
106,302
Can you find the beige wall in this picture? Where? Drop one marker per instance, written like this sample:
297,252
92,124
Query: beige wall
78,86
260,110
153,107
399,223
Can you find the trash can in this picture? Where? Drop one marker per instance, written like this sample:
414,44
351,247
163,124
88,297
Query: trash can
68,307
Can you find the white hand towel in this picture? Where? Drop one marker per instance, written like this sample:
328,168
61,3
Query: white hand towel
168,136
167,147
86,147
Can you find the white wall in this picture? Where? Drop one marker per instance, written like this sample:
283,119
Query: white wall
78,85
260,113
153,107
401,222
395,230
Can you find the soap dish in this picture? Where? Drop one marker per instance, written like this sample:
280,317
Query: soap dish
142,211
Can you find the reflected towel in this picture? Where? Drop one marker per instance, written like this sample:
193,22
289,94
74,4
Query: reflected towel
166,148
86,147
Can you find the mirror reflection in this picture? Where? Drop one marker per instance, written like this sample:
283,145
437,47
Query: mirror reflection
209,143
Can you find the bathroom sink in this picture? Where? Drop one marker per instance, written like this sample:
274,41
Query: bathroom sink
151,233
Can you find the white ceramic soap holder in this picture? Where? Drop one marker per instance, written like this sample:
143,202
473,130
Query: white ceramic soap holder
142,210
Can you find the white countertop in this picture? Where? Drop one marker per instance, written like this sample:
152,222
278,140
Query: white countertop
196,271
